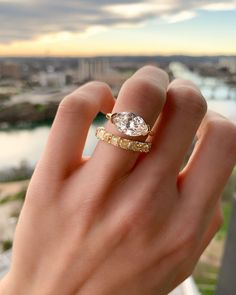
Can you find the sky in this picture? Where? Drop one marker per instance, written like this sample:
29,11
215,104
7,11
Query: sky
117,27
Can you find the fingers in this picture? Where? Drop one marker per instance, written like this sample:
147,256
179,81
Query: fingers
211,163
143,94
213,226
68,134
186,268
175,130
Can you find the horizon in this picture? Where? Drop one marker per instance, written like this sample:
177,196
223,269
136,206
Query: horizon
124,28
119,55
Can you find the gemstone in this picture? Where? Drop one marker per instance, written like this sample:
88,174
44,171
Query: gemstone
135,147
146,148
124,143
115,140
107,137
100,132
130,124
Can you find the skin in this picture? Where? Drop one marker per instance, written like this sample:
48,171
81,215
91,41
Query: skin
121,222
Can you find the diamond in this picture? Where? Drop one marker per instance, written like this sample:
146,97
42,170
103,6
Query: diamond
108,137
124,143
146,148
115,140
100,132
135,146
130,124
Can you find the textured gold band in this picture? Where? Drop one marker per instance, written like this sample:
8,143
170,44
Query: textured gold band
127,144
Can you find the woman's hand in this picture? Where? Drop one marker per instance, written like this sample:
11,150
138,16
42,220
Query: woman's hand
121,222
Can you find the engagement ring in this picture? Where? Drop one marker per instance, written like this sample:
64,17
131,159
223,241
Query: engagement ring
130,124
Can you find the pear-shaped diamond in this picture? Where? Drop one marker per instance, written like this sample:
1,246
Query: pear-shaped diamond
130,124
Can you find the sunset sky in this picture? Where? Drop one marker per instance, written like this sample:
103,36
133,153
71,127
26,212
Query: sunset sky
114,27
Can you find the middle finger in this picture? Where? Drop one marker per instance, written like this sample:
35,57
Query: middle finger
183,112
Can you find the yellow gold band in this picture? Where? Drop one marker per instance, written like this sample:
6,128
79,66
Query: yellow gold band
127,144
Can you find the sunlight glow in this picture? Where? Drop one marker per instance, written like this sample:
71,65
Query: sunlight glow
136,9
141,28
182,16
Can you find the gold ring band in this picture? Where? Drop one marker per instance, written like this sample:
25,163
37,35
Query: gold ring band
126,144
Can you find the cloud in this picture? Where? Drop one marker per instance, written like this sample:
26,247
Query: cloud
220,6
179,17
28,19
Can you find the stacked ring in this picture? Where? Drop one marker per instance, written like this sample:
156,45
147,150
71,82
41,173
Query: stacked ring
127,144
130,124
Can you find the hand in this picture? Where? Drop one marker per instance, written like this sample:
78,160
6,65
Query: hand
121,222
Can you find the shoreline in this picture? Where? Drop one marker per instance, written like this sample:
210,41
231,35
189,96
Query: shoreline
11,188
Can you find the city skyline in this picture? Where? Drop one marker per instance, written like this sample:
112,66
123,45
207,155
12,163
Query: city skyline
117,27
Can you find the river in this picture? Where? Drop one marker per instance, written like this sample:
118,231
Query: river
19,145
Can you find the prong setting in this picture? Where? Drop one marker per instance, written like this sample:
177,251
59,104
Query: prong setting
129,123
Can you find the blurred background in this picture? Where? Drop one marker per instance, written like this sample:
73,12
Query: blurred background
49,48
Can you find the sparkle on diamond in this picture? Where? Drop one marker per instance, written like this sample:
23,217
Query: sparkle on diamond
130,124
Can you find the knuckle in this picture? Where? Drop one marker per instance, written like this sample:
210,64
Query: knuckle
81,100
223,131
149,87
188,100
155,71
98,85
129,220
149,68
143,89
117,228
75,103
184,83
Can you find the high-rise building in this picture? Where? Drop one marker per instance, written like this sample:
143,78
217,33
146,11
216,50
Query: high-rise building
93,69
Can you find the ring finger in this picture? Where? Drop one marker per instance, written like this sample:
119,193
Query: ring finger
143,94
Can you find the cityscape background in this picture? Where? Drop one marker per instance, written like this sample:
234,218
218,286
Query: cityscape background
48,49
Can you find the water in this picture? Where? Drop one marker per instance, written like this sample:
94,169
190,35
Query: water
27,145
220,96
212,88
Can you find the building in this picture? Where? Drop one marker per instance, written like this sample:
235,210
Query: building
10,70
228,63
52,79
93,69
